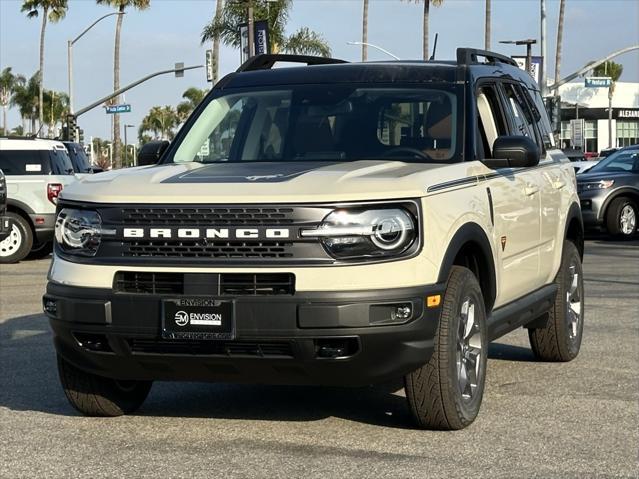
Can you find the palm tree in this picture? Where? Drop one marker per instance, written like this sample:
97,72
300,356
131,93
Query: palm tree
365,32
121,6
161,121
56,107
276,12
25,98
560,39
53,11
487,25
8,84
427,4
192,98
306,42
614,71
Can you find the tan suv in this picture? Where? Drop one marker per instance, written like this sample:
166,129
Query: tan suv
334,224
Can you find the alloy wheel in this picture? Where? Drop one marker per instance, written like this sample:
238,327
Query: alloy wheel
628,220
469,350
574,300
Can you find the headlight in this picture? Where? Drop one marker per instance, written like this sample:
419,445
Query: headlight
597,185
366,233
78,231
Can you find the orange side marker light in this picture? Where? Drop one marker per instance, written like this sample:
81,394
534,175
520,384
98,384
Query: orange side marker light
433,301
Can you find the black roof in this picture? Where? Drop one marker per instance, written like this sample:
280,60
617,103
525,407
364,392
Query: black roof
259,72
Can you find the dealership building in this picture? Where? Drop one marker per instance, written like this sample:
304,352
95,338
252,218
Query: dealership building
590,104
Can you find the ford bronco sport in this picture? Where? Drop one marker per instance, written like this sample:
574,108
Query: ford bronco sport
333,224
36,171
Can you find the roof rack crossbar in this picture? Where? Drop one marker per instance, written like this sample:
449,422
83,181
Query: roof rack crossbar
467,56
266,61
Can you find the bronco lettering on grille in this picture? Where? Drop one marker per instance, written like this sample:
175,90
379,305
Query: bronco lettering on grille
208,233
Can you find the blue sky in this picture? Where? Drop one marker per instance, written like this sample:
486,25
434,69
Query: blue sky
169,32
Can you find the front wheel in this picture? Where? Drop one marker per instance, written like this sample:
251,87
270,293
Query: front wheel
94,395
621,219
560,338
446,392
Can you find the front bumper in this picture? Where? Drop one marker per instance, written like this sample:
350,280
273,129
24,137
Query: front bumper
592,202
279,339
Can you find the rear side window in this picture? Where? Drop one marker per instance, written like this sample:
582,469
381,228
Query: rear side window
24,162
60,162
543,123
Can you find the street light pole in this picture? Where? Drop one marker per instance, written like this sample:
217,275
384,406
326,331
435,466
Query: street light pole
375,47
126,151
529,43
70,44
542,44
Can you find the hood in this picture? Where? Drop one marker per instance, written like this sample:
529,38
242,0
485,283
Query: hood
600,175
255,182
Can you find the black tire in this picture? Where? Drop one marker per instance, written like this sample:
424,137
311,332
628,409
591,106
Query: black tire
615,215
94,395
434,391
16,247
560,339
41,250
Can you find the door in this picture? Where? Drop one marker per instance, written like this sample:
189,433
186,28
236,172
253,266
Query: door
515,199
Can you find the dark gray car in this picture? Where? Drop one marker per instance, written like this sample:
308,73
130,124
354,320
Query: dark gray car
609,193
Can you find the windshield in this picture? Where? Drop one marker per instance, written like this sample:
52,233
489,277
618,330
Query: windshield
320,123
620,161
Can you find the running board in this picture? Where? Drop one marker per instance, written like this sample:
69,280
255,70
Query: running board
520,312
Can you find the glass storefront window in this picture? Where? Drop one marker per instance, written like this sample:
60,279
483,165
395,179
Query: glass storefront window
627,132
590,134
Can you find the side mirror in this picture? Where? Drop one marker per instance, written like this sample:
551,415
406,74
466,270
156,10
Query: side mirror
514,152
151,152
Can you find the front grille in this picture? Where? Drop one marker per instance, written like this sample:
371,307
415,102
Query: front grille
207,216
213,348
243,284
149,283
216,250
211,284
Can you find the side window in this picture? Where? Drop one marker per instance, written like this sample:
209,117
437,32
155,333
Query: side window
60,162
490,118
22,162
543,123
523,121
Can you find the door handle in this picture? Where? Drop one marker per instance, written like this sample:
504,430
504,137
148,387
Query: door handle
531,189
558,184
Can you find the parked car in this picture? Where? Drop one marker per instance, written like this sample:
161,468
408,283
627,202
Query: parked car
36,171
385,226
5,228
609,193
574,155
583,166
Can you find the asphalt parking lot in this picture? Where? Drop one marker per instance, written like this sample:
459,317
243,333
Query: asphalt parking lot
579,419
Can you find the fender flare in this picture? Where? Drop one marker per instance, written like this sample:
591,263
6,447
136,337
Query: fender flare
472,233
574,213
623,191
20,205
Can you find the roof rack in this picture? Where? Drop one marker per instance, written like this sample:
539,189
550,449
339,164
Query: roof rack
468,56
266,61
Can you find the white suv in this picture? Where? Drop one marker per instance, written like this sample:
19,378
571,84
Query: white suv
334,224
36,170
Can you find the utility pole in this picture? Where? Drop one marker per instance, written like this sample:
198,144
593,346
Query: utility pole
529,43
487,25
251,29
542,44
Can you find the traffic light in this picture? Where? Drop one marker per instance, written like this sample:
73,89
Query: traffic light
553,108
80,136
69,132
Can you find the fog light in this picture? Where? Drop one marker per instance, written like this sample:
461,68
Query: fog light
402,312
50,306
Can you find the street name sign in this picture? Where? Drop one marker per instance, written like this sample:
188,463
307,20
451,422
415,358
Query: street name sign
113,109
598,82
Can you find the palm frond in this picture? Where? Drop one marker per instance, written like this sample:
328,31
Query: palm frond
306,42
